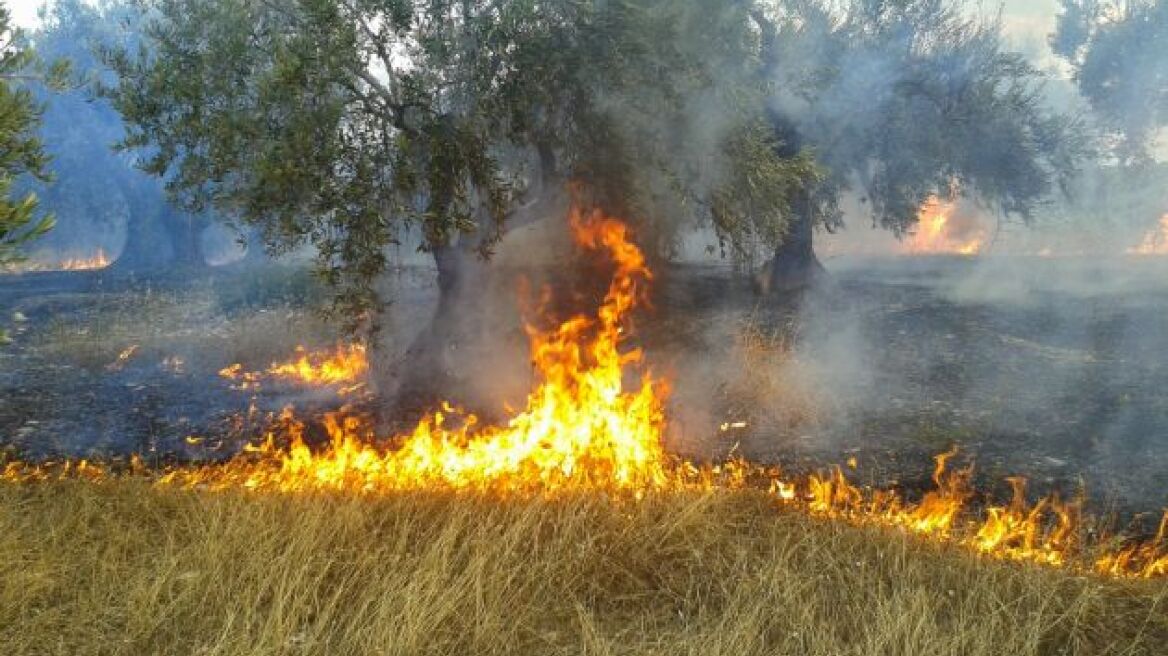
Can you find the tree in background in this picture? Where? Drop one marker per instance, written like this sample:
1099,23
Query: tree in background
96,186
1120,55
902,100
21,151
345,123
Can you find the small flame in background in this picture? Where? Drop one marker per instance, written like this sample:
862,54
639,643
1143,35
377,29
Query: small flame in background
584,429
123,358
937,234
97,261
1155,242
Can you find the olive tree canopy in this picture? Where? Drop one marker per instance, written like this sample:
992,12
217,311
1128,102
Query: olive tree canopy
345,122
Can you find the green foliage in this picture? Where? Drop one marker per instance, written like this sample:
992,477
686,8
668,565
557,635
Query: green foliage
760,187
347,123
1120,54
21,152
906,99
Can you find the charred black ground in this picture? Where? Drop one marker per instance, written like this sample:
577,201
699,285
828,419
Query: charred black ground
1056,376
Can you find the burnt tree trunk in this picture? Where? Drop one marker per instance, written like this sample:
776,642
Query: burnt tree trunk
436,366
147,245
254,253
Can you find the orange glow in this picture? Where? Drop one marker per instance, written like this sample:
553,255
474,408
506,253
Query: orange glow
935,233
1155,242
586,428
581,425
97,261
123,357
345,365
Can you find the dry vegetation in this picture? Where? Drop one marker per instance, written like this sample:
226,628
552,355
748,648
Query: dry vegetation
769,386
124,568
258,320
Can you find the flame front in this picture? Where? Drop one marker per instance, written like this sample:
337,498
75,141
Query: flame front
96,261
935,234
581,426
346,365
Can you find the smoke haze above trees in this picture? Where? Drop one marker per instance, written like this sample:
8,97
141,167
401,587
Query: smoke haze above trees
903,101
1119,52
100,192
344,124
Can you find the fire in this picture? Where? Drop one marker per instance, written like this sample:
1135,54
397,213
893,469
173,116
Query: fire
345,365
585,428
123,357
97,261
581,426
935,233
1049,532
1155,242
1148,558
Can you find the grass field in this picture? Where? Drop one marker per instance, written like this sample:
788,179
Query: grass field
122,567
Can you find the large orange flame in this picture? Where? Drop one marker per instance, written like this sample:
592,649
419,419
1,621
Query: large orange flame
584,428
581,425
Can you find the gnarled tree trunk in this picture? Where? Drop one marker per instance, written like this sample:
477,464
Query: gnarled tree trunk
254,253
462,335
794,266
435,366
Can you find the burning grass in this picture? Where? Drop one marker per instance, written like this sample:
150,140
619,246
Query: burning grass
586,429
42,262
127,568
566,528
344,366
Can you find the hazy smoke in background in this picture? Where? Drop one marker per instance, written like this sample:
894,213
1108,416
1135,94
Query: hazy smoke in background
1048,340
898,350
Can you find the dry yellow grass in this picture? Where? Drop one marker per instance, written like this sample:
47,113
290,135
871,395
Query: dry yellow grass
125,568
163,324
770,386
